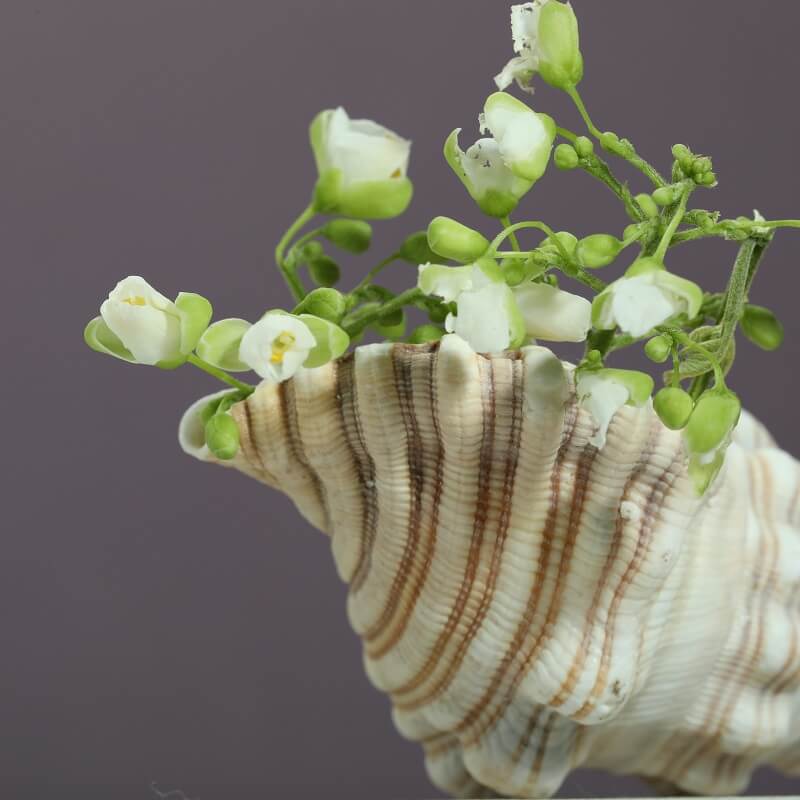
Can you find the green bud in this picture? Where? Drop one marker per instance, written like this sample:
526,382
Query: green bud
566,157
714,417
451,239
209,410
709,179
513,271
392,326
684,157
426,333
762,327
222,436
609,141
560,60
326,303
353,235
648,205
416,250
584,146
598,250
658,348
674,407
666,195
324,271
219,345
310,251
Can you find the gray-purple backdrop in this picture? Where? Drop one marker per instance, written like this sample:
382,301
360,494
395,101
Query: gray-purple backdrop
168,622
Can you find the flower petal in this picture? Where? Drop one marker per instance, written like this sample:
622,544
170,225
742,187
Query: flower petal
552,314
602,398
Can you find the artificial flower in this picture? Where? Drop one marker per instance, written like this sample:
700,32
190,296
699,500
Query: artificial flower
362,167
146,322
545,34
276,346
645,297
552,314
603,392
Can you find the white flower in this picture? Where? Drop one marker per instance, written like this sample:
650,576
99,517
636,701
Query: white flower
525,33
545,34
146,322
603,392
361,149
646,296
524,137
488,318
552,314
276,346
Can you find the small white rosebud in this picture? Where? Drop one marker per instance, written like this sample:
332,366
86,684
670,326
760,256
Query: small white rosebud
146,322
362,167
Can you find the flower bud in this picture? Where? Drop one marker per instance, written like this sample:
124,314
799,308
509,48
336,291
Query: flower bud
324,271
714,417
584,146
426,333
666,195
326,303
392,326
598,250
674,407
659,348
369,185
560,60
762,327
451,239
648,205
609,141
514,271
310,251
353,235
219,345
565,157
222,436
416,250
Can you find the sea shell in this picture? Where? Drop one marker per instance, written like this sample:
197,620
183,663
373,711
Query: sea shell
531,604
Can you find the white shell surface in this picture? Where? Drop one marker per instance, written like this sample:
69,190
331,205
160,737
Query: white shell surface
531,604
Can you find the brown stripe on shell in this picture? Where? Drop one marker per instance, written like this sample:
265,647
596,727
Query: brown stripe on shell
417,457
402,358
484,502
523,627
364,465
294,442
651,514
578,663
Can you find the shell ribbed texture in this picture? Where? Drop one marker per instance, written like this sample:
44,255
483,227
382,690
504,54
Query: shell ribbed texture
531,604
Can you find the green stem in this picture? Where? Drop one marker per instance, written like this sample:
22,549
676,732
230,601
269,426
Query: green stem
519,226
567,134
219,374
736,294
598,168
506,221
288,272
779,223
629,154
361,318
663,245
685,340
373,273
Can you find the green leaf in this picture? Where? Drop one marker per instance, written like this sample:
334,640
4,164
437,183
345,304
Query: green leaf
219,344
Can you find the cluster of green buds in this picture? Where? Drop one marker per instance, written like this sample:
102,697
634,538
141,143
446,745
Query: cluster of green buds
487,286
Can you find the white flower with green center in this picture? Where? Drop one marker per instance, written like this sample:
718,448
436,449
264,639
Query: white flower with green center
276,346
552,314
645,297
545,34
362,167
603,392
498,171
487,316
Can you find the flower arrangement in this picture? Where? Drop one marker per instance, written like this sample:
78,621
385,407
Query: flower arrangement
493,291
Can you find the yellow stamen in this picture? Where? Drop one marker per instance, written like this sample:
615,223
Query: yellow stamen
280,345
136,300
397,173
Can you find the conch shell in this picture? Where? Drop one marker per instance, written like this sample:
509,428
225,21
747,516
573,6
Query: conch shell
532,604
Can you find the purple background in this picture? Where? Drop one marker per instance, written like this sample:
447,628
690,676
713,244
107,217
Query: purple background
166,621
